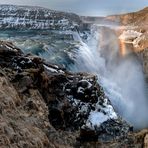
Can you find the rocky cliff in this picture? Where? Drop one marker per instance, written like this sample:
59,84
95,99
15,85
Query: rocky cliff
43,105
131,19
27,17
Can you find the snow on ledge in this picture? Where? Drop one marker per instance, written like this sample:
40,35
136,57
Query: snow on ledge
129,35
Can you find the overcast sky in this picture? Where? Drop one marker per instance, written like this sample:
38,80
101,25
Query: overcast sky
85,7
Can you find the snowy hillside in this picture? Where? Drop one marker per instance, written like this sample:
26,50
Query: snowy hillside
23,17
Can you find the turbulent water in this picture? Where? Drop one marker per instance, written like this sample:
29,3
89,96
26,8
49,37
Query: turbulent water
121,76
55,46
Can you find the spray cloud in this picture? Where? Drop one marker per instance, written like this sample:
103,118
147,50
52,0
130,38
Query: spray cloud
121,76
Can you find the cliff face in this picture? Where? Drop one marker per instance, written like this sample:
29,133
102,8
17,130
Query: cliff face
137,42
144,56
25,17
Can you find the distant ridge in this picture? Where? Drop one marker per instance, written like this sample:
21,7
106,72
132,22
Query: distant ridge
134,18
35,17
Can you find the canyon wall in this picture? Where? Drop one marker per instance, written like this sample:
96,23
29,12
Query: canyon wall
133,30
27,17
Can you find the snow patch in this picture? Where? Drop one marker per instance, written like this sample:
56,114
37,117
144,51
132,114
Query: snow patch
96,118
129,35
50,69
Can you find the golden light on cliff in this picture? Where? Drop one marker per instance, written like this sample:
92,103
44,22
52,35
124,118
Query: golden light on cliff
122,47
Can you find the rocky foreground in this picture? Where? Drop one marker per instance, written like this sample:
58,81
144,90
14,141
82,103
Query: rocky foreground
43,105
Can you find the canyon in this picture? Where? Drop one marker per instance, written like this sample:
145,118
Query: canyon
63,79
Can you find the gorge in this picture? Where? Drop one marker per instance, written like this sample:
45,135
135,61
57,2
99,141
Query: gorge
79,47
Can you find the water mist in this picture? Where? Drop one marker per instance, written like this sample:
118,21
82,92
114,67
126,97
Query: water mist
121,76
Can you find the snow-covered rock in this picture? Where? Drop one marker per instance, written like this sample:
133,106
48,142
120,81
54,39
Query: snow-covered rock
129,35
22,17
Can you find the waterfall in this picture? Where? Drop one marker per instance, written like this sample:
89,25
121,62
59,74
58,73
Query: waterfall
121,76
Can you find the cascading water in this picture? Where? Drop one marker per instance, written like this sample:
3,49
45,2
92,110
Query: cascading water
121,76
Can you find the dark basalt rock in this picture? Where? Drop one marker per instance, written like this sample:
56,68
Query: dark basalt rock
88,135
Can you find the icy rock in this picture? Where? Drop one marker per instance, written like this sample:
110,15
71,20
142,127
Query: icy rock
129,35
86,107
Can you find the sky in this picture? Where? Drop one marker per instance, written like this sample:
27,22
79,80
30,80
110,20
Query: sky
86,7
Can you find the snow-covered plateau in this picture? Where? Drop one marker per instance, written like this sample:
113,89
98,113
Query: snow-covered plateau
29,17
